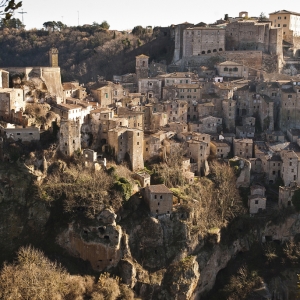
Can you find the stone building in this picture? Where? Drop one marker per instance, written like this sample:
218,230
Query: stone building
159,199
176,110
69,137
290,167
232,69
24,134
11,101
253,35
74,90
143,178
220,149
286,194
127,144
208,124
53,57
229,114
151,87
257,201
179,40
135,119
203,40
141,66
289,23
4,79
243,148
107,93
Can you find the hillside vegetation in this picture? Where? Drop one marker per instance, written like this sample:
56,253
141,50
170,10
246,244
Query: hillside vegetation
85,52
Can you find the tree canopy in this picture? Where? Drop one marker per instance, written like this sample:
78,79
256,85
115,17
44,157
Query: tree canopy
9,7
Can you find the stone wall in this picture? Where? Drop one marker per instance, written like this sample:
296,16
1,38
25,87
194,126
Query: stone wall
252,59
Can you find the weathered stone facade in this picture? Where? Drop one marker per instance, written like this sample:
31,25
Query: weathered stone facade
69,137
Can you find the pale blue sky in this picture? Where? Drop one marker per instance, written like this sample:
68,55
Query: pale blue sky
122,14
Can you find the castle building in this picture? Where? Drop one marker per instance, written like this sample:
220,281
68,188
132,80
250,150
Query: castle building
203,40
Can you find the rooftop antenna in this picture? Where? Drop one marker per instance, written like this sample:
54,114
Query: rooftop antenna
23,12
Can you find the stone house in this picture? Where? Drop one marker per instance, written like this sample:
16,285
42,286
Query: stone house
143,178
205,109
245,132
257,201
72,112
220,149
173,79
153,145
69,136
198,152
151,87
208,124
127,144
176,110
271,166
256,165
243,148
74,90
27,134
107,93
156,68
293,135
232,69
135,118
158,120
286,194
11,102
159,199
274,136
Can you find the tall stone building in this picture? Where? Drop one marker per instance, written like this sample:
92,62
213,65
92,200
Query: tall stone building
203,40
253,35
141,66
127,144
289,23
53,57
69,137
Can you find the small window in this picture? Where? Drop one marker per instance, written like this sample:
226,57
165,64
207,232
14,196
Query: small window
256,201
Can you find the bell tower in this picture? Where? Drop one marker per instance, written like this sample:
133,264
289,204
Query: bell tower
53,57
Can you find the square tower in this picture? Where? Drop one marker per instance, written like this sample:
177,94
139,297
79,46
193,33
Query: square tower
141,66
53,57
69,137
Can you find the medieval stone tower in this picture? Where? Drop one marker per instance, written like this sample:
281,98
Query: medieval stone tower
141,66
53,57
69,137
135,144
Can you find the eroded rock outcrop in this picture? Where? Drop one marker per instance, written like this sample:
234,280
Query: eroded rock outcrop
97,241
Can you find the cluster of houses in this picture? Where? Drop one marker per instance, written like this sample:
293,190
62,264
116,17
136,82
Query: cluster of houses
211,114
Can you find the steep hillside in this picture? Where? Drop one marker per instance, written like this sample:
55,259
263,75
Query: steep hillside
84,52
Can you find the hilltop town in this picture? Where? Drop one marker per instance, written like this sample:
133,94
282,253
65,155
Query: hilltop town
230,97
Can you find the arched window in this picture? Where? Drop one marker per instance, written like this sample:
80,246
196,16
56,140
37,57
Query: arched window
225,69
215,50
220,49
208,51
235,69
203,52
230,69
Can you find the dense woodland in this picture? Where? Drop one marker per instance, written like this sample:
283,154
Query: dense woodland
85,52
